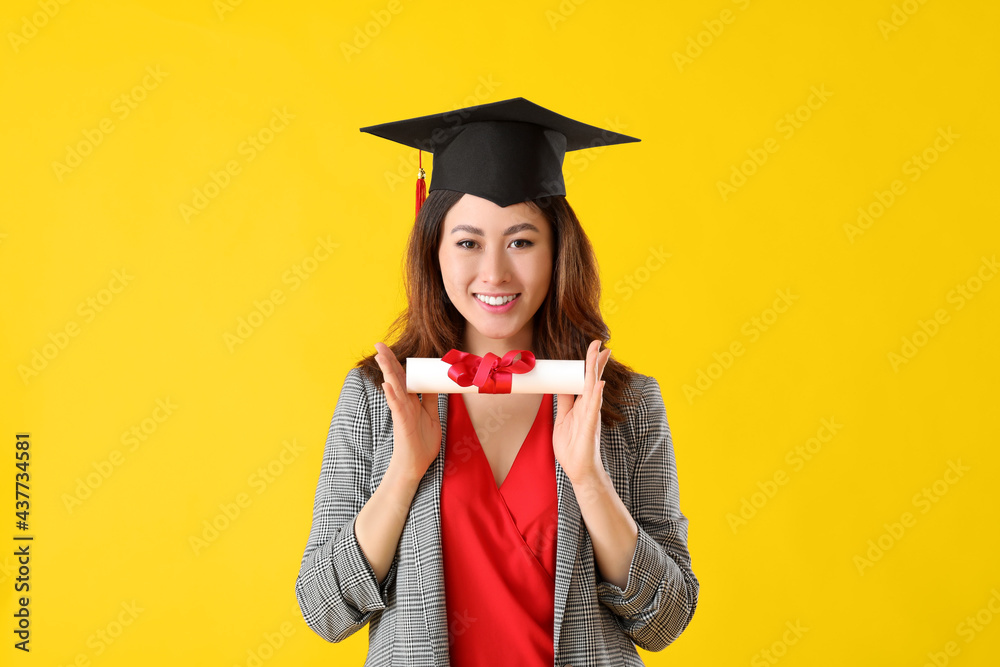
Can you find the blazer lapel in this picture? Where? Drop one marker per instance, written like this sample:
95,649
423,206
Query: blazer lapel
432,579
427,511
567,540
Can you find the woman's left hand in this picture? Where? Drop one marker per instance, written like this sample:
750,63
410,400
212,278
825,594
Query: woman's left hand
576,433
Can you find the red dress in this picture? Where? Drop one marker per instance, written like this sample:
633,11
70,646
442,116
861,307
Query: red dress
499,546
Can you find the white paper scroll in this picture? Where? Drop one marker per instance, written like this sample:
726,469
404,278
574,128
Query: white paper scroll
549,376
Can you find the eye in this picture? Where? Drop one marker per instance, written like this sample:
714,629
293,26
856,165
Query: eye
461,244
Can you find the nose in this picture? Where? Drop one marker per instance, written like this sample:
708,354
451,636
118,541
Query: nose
495,267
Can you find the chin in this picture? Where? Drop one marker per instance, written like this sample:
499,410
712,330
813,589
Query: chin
496,334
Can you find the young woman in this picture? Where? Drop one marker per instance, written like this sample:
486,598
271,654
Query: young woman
487,529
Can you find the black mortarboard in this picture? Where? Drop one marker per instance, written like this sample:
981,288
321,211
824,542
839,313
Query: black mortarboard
507,152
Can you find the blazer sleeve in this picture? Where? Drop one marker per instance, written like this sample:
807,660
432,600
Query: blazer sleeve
661,592
336,587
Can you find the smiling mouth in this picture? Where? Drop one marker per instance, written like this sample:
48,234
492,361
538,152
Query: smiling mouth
497,300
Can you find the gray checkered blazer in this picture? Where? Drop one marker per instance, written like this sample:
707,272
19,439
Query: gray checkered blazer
596,623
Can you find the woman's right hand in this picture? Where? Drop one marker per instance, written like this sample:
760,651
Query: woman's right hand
416,426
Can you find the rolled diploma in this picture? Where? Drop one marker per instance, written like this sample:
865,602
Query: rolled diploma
549,376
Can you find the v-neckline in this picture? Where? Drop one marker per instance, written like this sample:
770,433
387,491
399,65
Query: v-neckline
479,445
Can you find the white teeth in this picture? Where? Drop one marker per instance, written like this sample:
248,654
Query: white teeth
496,300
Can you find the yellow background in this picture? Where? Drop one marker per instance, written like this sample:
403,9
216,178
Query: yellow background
162,335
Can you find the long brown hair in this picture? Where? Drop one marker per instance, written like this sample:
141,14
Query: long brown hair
566,322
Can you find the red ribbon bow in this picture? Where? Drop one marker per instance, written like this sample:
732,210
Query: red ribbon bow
491,373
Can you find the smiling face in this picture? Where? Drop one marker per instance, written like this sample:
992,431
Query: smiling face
499,252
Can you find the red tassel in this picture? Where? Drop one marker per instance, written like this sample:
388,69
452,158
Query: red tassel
421,186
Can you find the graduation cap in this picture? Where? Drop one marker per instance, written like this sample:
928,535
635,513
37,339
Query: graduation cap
507,152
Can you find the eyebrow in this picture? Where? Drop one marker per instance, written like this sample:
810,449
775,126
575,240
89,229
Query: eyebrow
513,229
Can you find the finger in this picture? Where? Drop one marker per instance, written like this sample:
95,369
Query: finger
390,397
430,405
382,355
385,356
399,370
380,360
605,356
399,406
393,371
588,382
383,361
594,408
595,394
392,379
596,365
563,403
393,361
